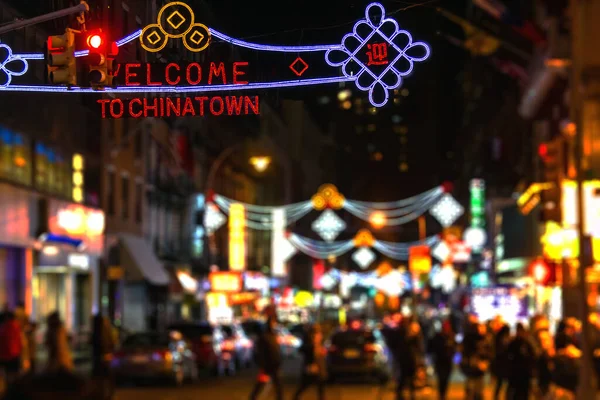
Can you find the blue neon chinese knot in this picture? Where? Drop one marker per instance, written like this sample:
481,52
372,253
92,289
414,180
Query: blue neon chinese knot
377,54
10,65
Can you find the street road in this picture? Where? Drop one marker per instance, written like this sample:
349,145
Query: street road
239,387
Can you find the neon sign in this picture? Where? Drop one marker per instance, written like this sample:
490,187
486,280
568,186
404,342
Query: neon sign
376,56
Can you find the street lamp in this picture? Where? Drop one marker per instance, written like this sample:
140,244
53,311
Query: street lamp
261,163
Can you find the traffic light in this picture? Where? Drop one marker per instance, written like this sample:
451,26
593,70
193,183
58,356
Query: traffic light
60,59
552,154
97,59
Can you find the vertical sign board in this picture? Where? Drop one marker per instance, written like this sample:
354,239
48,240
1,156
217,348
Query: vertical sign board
237,237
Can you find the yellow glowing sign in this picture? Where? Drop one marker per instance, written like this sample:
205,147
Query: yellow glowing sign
304,299
77,178
560,243
591,217
237,237
328,197
175,20
419,259
216,300
230,282
532,190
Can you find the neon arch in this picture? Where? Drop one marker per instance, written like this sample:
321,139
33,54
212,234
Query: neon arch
401,54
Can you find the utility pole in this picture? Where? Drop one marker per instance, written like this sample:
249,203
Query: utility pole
78,9
585,89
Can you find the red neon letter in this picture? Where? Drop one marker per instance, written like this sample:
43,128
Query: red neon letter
212,106
188,108
135,114
129,74
234,105
112,108
175,107
237,73
103,103
214,71
188,74
168,79
254,106
201,100
151,107
149,76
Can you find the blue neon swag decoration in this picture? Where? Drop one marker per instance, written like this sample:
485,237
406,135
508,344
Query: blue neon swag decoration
378,82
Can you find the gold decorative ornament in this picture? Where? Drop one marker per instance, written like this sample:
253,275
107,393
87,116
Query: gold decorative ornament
328,197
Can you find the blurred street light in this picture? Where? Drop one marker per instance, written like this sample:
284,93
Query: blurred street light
344,94
377,220
261,163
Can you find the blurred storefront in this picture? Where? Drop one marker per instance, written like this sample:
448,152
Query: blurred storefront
66,262
16,245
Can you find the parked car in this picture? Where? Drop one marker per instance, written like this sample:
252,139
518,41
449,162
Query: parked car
155,355
238,344
207,344
358,352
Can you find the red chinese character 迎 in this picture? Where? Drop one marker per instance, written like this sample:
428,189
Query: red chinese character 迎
377,54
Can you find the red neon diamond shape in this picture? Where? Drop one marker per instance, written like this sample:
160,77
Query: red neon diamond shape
295,66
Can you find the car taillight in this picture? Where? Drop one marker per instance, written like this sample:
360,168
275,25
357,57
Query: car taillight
161,356
371,348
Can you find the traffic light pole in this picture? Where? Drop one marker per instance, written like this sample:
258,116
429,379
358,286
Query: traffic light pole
78,9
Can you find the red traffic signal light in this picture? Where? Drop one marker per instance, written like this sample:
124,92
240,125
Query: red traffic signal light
540,271
95,41
543,150
543,272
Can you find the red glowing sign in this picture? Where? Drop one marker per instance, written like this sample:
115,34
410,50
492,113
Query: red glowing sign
377,54
186,74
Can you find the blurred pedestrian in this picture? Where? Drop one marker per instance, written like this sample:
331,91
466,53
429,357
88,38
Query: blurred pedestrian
11,347
565,335
27,355
545,361
407,356
57,343
443,349
476,358
314,369
521,358
267,355
500,366
103,347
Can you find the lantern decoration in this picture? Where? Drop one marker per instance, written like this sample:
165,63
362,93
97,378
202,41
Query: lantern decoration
447,210
328,197
213,218
363,257
328,225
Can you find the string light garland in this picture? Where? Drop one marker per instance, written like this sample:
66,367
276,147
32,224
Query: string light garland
378,69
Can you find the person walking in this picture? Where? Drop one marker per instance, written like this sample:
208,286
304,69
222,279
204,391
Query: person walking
521,358
443,349
408,353
57,343
476,357
500,365
267,354
314,368
11,347
103,348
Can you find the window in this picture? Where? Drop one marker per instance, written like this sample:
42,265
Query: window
124,197
139,193
15,157
110,192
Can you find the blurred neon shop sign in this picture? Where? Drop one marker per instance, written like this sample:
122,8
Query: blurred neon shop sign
230,282
78,221
376,56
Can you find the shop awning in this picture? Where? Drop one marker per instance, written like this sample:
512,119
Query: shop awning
141,263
